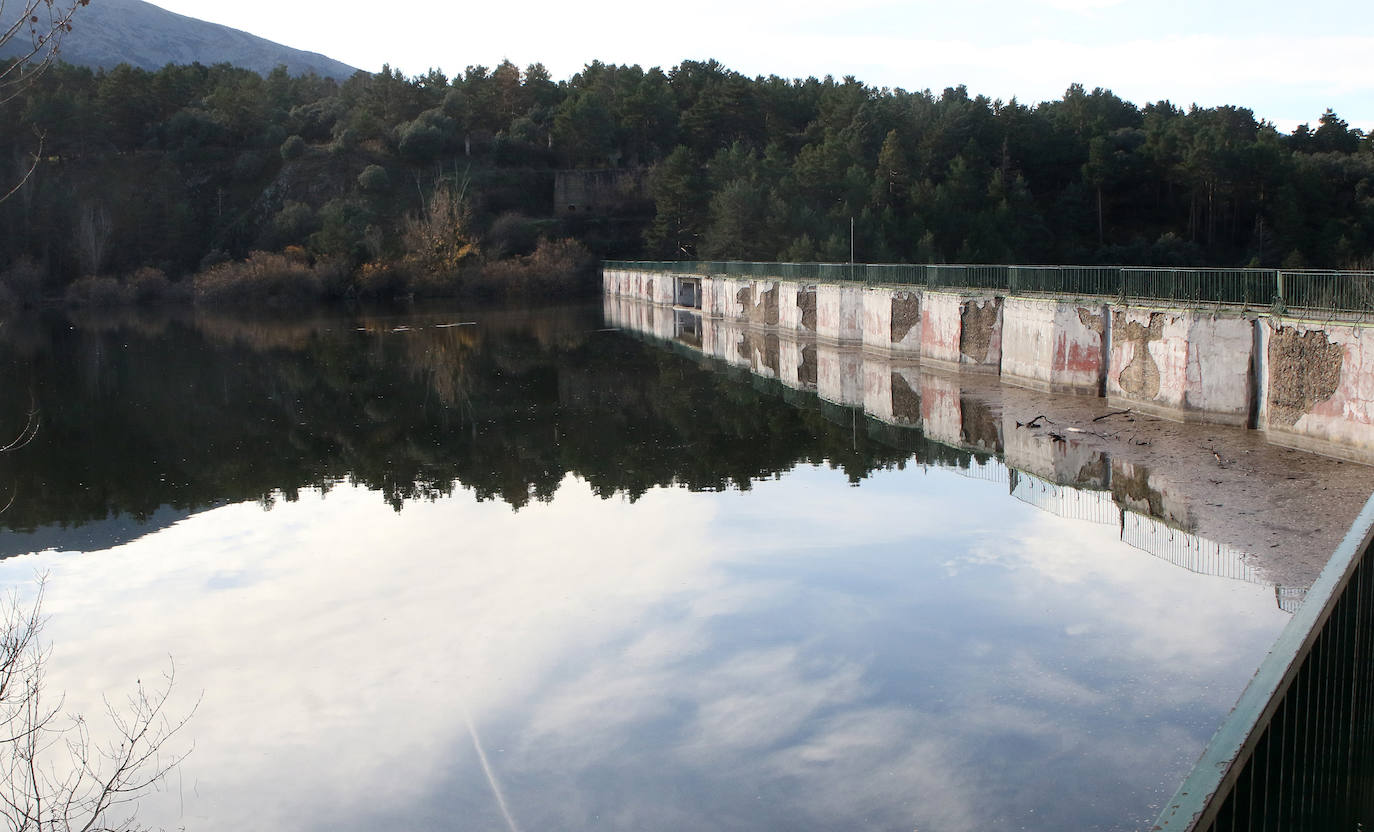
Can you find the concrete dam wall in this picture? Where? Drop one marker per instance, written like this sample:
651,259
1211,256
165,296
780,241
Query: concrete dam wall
1304,383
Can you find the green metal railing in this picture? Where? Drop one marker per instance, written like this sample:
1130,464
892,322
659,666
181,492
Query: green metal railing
1303,292
1297,752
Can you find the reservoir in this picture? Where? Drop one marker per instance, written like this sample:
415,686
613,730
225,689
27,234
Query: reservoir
532,569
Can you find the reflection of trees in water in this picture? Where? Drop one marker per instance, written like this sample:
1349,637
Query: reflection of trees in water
193,412
53,775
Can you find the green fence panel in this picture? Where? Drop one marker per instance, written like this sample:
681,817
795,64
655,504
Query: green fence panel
1328,291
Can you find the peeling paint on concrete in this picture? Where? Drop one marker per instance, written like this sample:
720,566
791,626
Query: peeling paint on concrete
806,301
766,309
1304,371
1140,377
1053,345
1092,319
1185,364
1341,424
979,330
790,299
1289,529
906,314
892,320
940,323
744,296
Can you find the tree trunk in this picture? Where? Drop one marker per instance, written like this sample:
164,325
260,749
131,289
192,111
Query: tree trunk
1100,235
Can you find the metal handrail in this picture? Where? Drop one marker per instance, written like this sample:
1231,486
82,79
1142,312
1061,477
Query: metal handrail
1281,290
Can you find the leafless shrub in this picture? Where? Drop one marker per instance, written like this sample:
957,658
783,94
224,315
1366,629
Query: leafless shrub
264,278
557,268
98,292
54,776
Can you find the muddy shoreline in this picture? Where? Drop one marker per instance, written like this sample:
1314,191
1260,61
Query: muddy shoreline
1286,509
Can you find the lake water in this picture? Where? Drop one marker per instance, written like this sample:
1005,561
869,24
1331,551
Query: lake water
507,570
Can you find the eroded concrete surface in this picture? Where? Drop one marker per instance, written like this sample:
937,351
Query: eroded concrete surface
1321,386
906,315
1306,371
1139,376
1195,366
980,338
806,302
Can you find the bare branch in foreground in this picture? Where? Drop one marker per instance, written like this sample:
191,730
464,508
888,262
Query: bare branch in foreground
54,776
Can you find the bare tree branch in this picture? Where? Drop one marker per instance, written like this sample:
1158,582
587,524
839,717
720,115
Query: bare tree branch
33,166
27,434
44,23
54,777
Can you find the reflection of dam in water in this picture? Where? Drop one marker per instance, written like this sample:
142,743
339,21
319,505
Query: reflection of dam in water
1048,471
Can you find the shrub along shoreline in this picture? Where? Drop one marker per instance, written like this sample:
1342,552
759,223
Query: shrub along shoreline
555,270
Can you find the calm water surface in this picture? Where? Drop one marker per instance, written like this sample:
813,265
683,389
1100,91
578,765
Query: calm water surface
502,570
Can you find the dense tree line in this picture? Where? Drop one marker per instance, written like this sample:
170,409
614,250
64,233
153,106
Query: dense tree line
180,168
262,409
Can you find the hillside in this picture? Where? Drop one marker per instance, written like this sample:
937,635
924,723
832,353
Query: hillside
110,32
388,186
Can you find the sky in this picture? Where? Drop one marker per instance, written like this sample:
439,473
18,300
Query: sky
1286,61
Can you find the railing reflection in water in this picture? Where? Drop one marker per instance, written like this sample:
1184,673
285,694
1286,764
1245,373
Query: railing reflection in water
1074,503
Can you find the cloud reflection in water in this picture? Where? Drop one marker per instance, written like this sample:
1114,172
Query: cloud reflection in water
921,652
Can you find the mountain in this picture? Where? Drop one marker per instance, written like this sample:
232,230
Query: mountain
110,32
94,536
